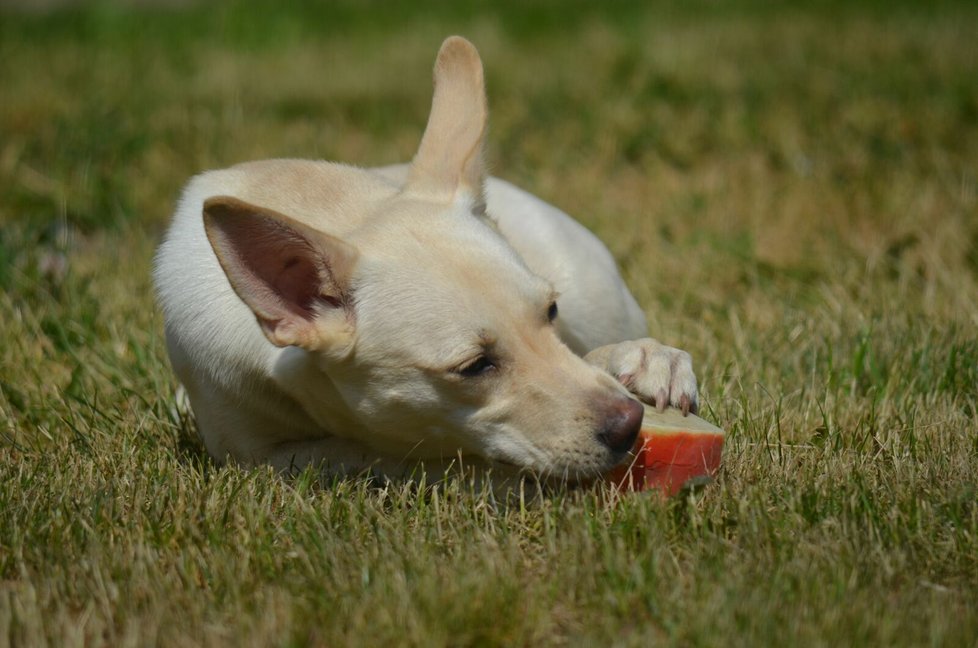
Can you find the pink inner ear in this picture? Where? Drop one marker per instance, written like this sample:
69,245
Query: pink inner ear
278,271
298,284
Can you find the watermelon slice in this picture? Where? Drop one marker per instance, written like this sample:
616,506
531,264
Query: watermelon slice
670,452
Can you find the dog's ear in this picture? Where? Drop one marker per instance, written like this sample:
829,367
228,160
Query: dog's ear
449,161
294,278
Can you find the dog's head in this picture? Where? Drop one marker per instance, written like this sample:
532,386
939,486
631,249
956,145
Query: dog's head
433,333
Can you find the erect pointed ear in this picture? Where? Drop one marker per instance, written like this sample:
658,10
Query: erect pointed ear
449,160
294,278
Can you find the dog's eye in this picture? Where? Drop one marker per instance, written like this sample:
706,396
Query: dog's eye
477,367
552,312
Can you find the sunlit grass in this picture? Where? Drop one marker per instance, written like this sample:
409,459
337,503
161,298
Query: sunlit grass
792,195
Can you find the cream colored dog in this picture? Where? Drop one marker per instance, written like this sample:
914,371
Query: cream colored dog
319,313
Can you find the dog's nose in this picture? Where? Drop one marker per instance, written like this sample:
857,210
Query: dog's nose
621,425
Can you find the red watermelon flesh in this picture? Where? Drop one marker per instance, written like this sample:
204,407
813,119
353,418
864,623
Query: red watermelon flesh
671,449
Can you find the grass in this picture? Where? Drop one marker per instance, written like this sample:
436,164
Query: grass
792,195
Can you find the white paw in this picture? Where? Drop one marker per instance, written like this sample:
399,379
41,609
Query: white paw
657,374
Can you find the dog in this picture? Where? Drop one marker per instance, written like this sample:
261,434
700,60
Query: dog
370,319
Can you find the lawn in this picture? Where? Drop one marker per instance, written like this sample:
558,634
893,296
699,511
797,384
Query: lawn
791,192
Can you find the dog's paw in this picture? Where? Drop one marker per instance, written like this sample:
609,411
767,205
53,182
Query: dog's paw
657,374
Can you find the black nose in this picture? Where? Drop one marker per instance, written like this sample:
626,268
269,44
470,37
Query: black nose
621,424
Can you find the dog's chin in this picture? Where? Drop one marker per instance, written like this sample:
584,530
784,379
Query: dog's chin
505,474
585,468
568,478
561,476
570,466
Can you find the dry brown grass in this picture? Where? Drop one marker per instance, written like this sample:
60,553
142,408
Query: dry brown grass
791,194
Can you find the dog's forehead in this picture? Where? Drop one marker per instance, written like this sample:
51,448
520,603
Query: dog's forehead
438,284
446,241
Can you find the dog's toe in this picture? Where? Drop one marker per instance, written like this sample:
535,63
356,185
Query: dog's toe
683,388
657,374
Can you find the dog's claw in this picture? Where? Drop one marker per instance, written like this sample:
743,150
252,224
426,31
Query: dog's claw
661,400
684,404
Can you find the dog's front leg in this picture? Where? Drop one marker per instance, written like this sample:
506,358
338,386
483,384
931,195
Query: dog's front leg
659,375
